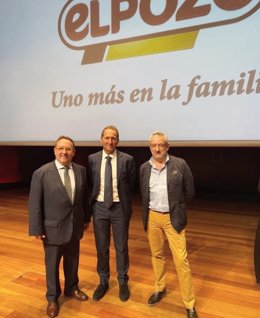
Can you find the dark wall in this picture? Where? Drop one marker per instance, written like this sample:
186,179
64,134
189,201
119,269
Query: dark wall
227,169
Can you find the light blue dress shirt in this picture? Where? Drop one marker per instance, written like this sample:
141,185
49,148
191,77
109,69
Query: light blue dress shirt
158,188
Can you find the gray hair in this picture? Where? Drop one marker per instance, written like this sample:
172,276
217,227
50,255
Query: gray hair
161,134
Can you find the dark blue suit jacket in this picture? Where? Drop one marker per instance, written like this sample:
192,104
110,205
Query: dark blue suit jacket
125,178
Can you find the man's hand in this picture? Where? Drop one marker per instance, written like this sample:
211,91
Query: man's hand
40,237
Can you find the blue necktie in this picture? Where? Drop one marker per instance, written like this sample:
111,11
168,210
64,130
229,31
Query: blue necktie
108,187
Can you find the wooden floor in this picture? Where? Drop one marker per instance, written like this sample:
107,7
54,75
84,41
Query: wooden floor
220,237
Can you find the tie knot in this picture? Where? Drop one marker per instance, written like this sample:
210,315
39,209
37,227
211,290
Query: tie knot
108,158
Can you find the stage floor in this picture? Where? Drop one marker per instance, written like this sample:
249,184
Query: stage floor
220,242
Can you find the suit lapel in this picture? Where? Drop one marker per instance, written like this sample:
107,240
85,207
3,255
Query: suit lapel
98,165
147,175
96,168
57,180
119,165
77,178
169,170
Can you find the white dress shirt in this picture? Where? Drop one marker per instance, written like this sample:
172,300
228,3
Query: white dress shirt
61,171
113,156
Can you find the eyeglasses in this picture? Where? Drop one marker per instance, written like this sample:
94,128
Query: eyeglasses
160,146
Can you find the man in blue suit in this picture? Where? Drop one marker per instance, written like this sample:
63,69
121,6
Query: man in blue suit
116,213
58,215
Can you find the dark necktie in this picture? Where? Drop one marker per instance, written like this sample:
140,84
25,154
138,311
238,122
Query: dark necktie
108,188
67,183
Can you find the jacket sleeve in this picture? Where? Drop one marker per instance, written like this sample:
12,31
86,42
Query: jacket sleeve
87,215
36,206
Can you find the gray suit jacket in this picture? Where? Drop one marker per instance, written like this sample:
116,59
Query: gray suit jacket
50,210
180,190
125,178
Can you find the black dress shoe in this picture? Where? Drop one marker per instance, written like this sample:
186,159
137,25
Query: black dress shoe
191,313
124,292
100,291
156,297
52,309
77,294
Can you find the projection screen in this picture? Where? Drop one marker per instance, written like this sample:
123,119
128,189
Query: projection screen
188,68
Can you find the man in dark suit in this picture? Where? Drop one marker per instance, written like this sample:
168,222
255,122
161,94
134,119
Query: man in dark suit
114,211
166,185
58,215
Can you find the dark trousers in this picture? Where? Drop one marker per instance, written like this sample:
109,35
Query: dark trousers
257,254
103,220
53,255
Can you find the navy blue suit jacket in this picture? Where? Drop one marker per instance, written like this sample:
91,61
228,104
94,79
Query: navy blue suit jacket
125,178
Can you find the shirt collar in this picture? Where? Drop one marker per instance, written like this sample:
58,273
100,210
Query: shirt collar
112,155
60,166
152,161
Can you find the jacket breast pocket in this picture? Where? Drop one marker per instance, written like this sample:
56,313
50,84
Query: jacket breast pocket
176,177
51,223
